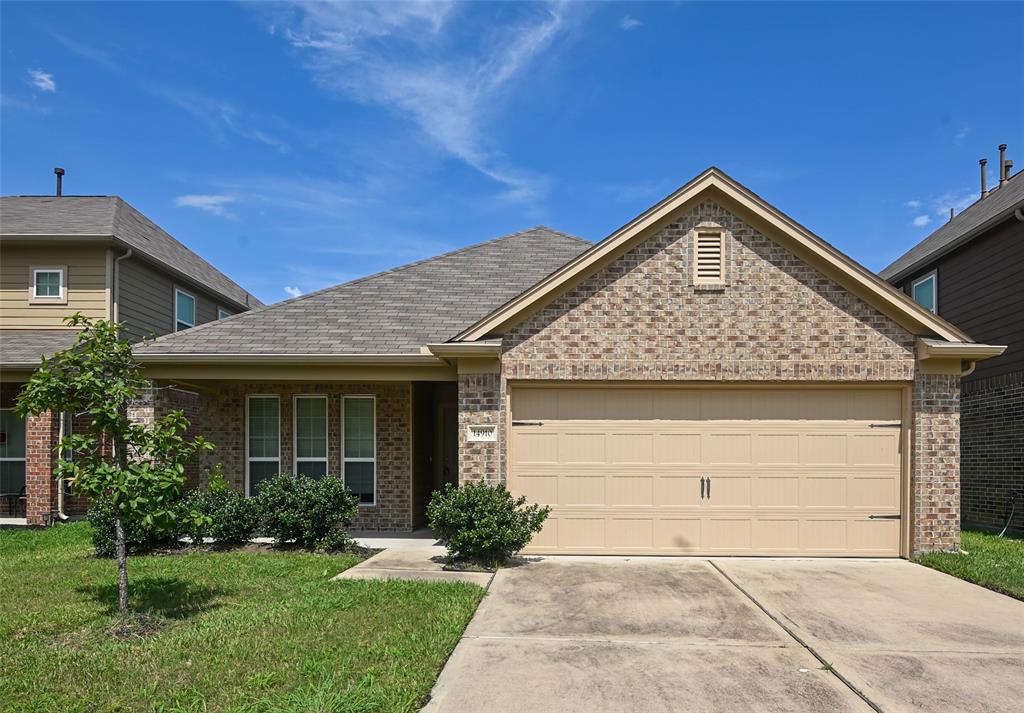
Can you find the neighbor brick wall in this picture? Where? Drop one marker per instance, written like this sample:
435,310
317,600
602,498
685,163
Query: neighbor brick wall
935,483
992,449
222,419
640,317
480,402
40,487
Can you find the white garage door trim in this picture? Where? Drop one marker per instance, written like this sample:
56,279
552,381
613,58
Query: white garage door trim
748,512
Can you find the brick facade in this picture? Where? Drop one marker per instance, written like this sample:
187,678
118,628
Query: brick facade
641,318
935,484
481,401
221,419
992,450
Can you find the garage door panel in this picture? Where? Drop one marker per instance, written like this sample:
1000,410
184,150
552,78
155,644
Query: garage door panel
801,473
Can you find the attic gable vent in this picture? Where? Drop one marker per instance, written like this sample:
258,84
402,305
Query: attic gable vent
709,257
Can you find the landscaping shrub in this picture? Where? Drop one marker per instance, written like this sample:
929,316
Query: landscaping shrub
220,512
484,522
139,537
305,510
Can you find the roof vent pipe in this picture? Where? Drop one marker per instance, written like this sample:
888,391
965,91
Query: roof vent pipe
1002,164
984,185
60,179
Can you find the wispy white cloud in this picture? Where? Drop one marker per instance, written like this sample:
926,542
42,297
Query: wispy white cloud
213,204
913,205
629,23
292,291
42,80
957,200
9,102
922,220
961,134
400,55
220,116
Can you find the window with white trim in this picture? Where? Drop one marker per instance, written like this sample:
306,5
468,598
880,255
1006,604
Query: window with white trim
359,447
263,440
708,257
310,429
222,313
48,284
925,291
12,452
184,310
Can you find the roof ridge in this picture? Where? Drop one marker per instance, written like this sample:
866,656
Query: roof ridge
358,280
559,232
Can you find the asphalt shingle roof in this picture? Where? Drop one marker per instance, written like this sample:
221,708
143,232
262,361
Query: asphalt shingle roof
24,346
392,312
1000,202
112,216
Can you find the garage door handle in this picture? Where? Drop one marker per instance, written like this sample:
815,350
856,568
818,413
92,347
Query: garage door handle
883,517
527,423
885,425
702,487
709,487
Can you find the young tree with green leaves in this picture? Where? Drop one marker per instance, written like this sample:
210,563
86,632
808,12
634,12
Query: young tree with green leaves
140,467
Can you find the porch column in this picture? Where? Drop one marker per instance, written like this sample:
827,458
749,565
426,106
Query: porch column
935,484
40,487
481,404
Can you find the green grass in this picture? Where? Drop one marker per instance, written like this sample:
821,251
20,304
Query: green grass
239,631
993,562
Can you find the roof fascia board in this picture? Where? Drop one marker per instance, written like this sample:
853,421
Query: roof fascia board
464,349
225,372
884,296
324,359
934,349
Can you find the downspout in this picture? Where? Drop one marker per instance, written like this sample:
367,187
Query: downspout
1020,214
115,289
60,481
969,370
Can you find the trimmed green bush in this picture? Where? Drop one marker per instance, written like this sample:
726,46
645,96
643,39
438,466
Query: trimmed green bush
220,512
139,537
303,510
484,522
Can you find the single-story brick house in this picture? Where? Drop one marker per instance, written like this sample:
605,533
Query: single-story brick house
711,378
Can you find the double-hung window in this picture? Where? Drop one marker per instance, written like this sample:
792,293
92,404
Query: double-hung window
184,310
310,428
925,291
263,440
359,447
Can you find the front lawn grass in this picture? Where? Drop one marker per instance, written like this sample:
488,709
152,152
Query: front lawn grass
238,631
993,562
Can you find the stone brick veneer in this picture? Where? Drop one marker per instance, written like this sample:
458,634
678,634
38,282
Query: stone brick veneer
992,449
641,318
480,402
935,485
40,487
222,421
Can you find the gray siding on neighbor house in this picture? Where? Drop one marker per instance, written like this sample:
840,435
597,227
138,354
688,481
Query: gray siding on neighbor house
146,300
981,290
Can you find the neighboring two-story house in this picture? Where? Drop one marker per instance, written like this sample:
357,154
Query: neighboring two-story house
99,256
971,272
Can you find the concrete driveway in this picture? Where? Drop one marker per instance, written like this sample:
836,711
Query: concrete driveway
615,634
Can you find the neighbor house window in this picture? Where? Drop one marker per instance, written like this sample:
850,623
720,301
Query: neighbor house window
222,313
48,285
924,292
263,440
12,452
359,447
311,436
184,310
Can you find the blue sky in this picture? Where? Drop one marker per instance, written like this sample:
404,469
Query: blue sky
300,145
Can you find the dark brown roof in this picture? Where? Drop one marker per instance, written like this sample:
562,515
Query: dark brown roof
972,222
110,216
392,312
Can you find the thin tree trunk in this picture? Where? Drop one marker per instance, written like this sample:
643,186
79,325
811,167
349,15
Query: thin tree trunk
122,566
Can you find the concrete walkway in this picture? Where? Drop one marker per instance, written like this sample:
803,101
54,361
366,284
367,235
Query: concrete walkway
659,635
416,557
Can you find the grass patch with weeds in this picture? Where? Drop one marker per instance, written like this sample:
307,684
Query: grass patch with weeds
993,562
215,631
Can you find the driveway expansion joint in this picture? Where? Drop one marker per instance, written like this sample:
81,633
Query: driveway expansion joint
792,634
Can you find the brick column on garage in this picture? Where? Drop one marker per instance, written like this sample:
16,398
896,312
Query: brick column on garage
935,486
40,487
480,403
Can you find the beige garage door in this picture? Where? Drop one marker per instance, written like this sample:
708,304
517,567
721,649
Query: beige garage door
753,471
